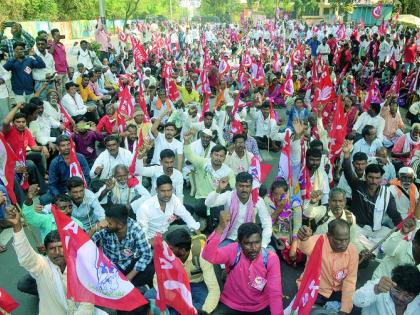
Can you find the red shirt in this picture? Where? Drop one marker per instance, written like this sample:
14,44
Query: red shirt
410,53
19,141
107,124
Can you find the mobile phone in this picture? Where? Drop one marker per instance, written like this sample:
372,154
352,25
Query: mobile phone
62,36
8,24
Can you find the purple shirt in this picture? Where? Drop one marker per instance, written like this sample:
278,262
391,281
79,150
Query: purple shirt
85,144
60,58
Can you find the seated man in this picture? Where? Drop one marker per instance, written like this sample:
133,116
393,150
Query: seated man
358,165
405,191
131,138
266,127
398,250
240,159
398,294
108,159
370,201
205,289
253,283
124,243
157,213
407,144
208,123
166,167
49,272
85,139
339,264
59,171
381,158
75,106
369,143
372,118
336,209
117,191
242,208
108,123
86,207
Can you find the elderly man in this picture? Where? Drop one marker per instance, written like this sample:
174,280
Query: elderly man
405,191
336,209
407,145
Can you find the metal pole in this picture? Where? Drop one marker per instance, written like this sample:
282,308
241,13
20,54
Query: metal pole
102,12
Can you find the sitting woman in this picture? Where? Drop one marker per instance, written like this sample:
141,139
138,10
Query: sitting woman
286,214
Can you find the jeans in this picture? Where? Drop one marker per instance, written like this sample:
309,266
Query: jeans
199,294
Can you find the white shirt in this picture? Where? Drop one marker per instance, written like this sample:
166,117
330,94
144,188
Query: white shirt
153,220
74,105
215,199
108,162
41,129
39,74
238,164
324,51
124,194
384,50
365,119
157,170
214,127
52,113
362,146
401,200
161,144
264,127
380,304
6,76
83,56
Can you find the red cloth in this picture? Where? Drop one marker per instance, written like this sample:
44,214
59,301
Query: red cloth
105,122
410,53
19,141
7,167
7,303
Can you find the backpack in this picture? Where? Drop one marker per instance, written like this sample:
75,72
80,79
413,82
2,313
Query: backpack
238,257
197,243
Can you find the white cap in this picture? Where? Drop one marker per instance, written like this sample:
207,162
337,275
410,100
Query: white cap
406,170
207,132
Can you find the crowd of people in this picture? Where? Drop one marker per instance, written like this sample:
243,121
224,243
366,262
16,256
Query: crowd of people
212,104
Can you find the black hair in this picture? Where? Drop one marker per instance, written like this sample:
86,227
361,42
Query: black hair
111,138
316,143
209,114
218,148
374,168
40,39
279,183
170,124
298,98
36,100
245,230
313,152
376,107
265,104
54,30
167,153
366,130
238,136
407,277
360,156
29,109
87,75
19,115
62,198
417,237
52,237
244,177
179,238
162,180
42,32
83,41
117,212
91,74
74,181
19,44
131,126
332,226
61,138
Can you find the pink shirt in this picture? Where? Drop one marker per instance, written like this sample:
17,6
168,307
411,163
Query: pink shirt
60,58
237,293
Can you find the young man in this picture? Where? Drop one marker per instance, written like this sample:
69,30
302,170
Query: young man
372,118
241,207
83,54
49,272
124,243
339,263
44,75
240,159
73,102
85,139
21,68
359,164
253,283
266,127
205,291
58,51
157,213
369,142
166,167
398,294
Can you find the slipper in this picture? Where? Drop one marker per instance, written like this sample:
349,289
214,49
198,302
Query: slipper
2,248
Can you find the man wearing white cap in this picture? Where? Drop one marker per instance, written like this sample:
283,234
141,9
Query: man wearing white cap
405,191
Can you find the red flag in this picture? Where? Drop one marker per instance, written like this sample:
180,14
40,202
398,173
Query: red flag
324,91
133,181
309,285
126,106
173,285
246,60
122,37
7,303
285,162
377,11
237,127
75,168
369,96
297,54
383,28
172,90
8,160
258,74
91,276
259,172
361,24
67,120
224,67
205,107
139,54
337,134
289,89
341,32
143,106
396,84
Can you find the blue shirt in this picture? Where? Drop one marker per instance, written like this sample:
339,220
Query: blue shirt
22,81
314,46
3,206
302,115
59,173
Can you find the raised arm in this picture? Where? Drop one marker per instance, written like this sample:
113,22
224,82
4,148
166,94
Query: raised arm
9,117
348,171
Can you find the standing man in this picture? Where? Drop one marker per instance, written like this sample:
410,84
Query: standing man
253,283
44,75
21,68
58,50
18,35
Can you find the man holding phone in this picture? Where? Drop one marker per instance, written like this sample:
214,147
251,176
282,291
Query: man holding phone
45,75
58,51
19,35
